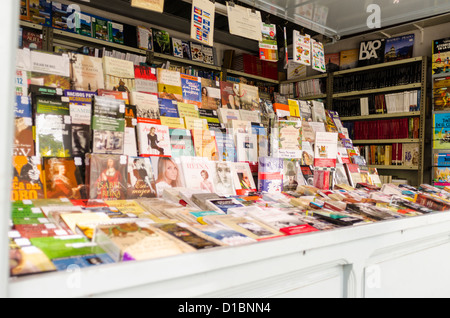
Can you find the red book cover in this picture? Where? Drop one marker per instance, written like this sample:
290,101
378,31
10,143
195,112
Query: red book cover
31,40
298,229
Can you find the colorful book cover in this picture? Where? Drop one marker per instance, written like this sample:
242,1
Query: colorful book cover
441,176
145,79
108,135
205,144
108,107
226,146
349,59
80,104
106,176
332,62
192,89
31,40
182,144
116,32
399,48
100,28
153,140
325,149
63,178
177,48
292,174
211,98
441,56
302,48
119,75
441,94
161,41
53,135
290,139
169,84
168,108
23,124
83,24
188,110
125,96
28,179
147,107
318,56
268,47
198,174
145,38
246,147
230,97
441,135
141,180
270,174
243,180
41,12
168,173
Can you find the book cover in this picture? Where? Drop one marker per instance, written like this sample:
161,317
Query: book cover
270,174
63,178
192,90
27,260
318,112
145,79
124,96
147,107
307,153
441,176
441,94
80,104
153,140
410,155
353,174
23,125
441,130
208,54
246,147
198,174
118,74
177,47
205,144
249,97
226,115
141,182
196,52
108,135
25,10
186,50
169,84
224,205
441,56
168,173
230,98
290,139
249,115
194,123
144,37
211,98
399,48
291,174
223,178
340,175
301,48
83,24
188,110
181,142
243,180
325,149
40,12
31,40
266,106
28,179
168,108
53,135
349,59
226,146
116,32
106,176
130,142
225,234
100,28
371,52
332,62
103,106
161,41
181,232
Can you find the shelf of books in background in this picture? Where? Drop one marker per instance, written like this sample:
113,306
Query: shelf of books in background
441,111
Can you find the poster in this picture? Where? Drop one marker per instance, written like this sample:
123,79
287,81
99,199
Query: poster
152,5
202,22
244,22
302,48
268,47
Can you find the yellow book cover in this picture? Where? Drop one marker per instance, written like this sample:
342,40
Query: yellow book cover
188,110
126,206
192,123
173,122
294,108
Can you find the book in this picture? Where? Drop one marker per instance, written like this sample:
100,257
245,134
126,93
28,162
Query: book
192,90
230,97
290,139
349,59
116,32
410,155
53,135
63,178
153,140
130,142
249,97
168,173
118,74
145,79
223,205
144,38
124,96
325,149
291,175
196,52
441,130
205,144
100,28
147,107
181,143
169,84
225,234
243,180
83,24
332,62
81,140
23,124
168,108
226,146
80,104
141,182
318,112
40,12
189,236
186,50
177,47
441,93
226,115
340,175
196,123
28,179
106,176
188,110
161,41
211,98
27,260
223,178
138,241
208,54
399,48
104,106
353,174
371,52
246,147
31,40
198,174
441,56
108,135
270,176
49,69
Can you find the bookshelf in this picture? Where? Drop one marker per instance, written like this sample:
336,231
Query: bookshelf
417,83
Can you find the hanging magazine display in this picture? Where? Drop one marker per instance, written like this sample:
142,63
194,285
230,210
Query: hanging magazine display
302,48
268,47
244,22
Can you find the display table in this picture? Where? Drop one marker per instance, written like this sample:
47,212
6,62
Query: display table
399,258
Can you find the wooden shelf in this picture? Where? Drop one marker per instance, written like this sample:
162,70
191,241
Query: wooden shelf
392,115
378,90
386,141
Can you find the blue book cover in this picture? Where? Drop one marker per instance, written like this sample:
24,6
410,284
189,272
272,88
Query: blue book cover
181,142
192,89
82,261
22,107
441,123
399,48
442,159
168,108
226,146
270,174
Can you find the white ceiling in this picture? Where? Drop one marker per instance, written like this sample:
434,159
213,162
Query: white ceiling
339,18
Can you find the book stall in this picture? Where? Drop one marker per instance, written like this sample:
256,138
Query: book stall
157,174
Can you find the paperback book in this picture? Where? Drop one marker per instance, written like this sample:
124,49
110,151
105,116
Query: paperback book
181,142
153,140
243,180
145,79
290,139
211,98
147,107
169,84
192,90
119,75
198,174
53,135
270,176
63,178
168,173
103,106
161,41
140,178
108,135
28,179
249,97
230,95
86,73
